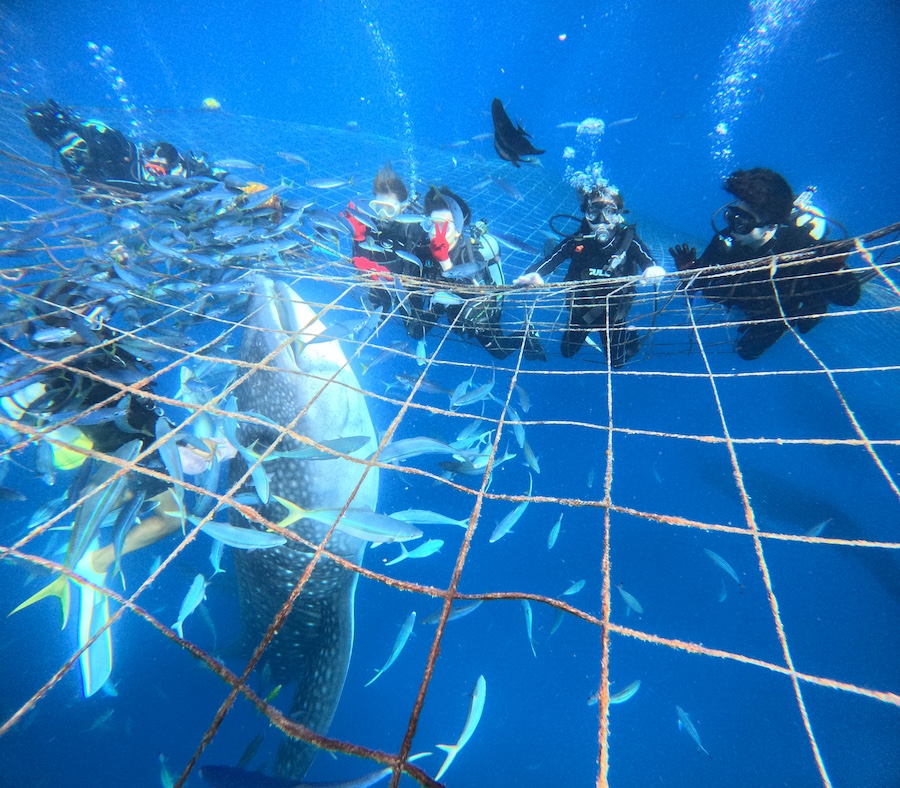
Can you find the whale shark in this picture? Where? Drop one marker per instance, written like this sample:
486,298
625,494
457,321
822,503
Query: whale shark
300,375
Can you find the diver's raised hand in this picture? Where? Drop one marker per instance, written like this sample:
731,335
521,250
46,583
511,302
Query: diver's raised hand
359,229
440,246
534,279
684,256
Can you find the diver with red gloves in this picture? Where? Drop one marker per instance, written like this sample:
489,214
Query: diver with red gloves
388,240
468,258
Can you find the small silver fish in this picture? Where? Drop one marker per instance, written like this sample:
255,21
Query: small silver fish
506,524
629,600
399,643
529,622
329,183
554,533
724,566
293,158
195,595
685,724
430,547
574,588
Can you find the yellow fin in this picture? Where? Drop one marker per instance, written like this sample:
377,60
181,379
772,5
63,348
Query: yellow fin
58,588
294,512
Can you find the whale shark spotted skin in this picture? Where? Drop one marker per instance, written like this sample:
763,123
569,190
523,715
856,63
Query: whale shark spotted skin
313,646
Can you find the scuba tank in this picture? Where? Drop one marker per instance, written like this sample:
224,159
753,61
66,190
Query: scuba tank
807,214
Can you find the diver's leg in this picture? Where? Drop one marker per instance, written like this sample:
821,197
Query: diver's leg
575,334
530,343
495,343
381,299
624,343
843,288
757,338
148,531
419,321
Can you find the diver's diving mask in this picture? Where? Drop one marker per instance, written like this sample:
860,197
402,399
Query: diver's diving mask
602,212
740,221
385,208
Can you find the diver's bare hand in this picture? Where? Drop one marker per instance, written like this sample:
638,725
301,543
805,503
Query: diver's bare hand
530,280
684,256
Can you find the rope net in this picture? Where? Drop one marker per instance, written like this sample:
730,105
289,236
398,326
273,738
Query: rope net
783,469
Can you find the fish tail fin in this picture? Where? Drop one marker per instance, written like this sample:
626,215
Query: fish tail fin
117,569
377,674
451,750
177,626
58,588
404,553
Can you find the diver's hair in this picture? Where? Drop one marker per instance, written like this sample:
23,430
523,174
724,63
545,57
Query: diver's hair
434,201
388,182
765,191
611,194
167,151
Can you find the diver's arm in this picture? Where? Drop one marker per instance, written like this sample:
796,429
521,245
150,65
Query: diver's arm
714,254
641,254
562,252
148,531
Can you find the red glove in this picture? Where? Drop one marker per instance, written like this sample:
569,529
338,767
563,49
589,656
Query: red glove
440,248
366,265
359,229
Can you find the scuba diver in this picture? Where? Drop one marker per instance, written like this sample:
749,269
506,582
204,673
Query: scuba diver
77,413
602,251
392,242
464,254
764,220
96,152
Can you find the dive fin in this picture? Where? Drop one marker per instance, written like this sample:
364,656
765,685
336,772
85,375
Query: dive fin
58,588
93,615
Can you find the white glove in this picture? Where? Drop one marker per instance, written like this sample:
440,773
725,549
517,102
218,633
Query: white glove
653,275
530,280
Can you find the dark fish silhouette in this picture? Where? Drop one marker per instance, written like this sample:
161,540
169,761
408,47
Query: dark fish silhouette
511,142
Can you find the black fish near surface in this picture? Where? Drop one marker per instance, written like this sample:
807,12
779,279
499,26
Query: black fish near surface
510,141
312,648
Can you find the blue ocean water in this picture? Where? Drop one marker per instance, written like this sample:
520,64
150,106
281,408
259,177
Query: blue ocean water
806,88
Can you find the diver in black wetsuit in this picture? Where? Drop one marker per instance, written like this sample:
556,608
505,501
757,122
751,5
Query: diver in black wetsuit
398,241
762,222
603,248
465,258
96,152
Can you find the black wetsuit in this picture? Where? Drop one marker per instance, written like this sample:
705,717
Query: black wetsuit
101,154
479,316
797,295
409,237
600,305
